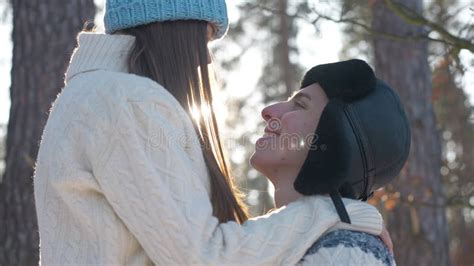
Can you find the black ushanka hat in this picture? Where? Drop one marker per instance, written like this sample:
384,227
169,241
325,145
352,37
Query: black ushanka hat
362,139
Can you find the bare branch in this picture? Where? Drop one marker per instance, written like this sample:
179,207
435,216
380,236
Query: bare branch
373,32
414,18
243,50
351,21
403,12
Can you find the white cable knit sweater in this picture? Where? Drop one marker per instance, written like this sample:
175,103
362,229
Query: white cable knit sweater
120,179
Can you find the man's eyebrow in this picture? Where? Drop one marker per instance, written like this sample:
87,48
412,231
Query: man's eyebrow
297,95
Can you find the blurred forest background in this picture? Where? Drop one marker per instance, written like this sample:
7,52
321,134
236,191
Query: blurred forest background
419,47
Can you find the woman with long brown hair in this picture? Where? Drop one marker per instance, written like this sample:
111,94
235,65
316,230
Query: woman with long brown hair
124,175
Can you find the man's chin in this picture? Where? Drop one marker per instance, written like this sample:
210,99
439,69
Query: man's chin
258,163
253,161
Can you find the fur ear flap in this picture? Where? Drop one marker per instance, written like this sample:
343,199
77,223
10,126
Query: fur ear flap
348,80
327,164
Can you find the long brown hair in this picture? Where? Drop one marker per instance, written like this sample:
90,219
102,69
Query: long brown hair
175,54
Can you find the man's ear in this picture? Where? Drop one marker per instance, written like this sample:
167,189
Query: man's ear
327,164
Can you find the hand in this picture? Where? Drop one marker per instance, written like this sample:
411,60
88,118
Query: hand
385,236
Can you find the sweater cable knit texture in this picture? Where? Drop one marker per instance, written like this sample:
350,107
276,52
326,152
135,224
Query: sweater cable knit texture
120,179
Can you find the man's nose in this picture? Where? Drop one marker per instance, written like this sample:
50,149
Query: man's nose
273,111
266,113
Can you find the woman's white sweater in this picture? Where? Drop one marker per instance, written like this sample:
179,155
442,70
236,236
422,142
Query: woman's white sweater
120,179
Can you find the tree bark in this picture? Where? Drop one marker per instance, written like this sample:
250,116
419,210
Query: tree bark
44,37
284,37
418,224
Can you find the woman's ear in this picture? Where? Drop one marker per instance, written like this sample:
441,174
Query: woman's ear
211,31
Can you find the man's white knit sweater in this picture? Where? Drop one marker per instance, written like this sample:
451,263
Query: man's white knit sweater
120,179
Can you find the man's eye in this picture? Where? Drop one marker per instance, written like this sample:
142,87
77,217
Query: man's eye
298,104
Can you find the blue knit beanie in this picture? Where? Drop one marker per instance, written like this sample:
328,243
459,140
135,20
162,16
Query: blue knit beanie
123,14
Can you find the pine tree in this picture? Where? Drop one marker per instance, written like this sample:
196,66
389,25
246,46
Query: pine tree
418,224
446,13
43,36
455,117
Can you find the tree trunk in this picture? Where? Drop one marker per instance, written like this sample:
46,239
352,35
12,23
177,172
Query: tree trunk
418,224
44,37
284,38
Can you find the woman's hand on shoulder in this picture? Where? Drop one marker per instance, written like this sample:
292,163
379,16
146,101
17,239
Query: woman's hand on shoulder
385,236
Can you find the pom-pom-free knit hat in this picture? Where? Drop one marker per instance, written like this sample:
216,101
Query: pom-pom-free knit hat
123,14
